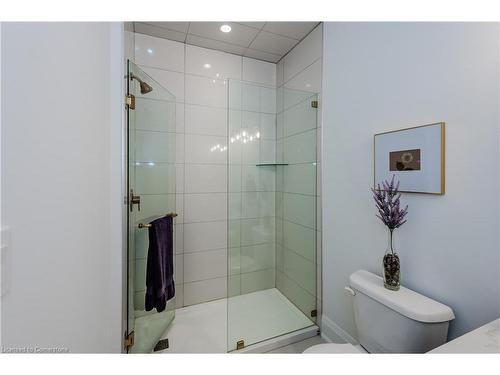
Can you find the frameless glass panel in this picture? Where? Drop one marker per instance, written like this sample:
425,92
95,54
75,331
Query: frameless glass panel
151,176
296,196
271,186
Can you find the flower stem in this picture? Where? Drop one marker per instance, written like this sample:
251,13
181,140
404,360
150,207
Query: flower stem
390,239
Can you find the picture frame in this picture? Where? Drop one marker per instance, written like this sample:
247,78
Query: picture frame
414,155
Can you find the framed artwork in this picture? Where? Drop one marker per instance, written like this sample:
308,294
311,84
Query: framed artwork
415,156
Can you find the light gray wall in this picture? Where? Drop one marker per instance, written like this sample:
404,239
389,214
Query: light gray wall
384,76
61,191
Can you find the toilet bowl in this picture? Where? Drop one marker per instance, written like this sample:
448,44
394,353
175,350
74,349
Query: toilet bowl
334,348
389,321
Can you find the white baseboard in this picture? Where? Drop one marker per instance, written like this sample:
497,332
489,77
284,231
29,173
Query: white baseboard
331,332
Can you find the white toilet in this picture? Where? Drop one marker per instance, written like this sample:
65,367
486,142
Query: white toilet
392,322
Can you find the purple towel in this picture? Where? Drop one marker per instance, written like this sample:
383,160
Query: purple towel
160,269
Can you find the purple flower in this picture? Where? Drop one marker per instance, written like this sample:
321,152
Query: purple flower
387,201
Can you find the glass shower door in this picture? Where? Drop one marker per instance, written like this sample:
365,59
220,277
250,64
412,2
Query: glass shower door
151,194
271,213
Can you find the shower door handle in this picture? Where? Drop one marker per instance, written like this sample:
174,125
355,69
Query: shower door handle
134,199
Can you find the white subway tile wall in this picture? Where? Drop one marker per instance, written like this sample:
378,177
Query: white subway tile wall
259,72
173,81
252,244
304,54
298,224
198,77
154,157
159,53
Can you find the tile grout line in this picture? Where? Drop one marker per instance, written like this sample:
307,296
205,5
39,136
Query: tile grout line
277,222
227,276
300,41
255,83
184,173
298,285
241,184
300,71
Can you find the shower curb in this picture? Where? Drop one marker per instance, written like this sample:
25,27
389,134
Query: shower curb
280,341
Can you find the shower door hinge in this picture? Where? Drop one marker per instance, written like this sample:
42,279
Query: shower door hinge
314,313
314,104
128,342
134,199
130,101
161,345
240,344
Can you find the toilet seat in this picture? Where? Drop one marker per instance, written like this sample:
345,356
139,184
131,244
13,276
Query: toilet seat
333,349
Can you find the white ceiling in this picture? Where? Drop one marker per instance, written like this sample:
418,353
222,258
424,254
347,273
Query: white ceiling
268,41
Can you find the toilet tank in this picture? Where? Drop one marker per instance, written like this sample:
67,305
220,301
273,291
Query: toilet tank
400,321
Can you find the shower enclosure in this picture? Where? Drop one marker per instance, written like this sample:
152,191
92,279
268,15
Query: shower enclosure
272,195
272,229
151,194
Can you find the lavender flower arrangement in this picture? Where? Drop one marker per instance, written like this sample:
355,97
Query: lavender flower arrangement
388,203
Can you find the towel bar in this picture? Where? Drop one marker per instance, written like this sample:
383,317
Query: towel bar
141,225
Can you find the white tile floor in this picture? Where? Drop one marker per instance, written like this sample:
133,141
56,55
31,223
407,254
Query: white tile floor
254,317
148,328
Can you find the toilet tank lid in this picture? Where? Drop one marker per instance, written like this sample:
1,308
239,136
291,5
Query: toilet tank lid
405,301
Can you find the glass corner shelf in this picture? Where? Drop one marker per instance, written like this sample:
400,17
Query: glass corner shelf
270,164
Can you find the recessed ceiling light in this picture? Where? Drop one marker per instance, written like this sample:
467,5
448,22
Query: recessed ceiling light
150,51
207,66
225,28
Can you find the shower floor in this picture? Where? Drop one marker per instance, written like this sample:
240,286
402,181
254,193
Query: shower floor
254,317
